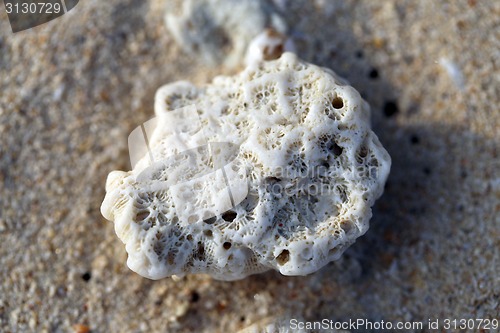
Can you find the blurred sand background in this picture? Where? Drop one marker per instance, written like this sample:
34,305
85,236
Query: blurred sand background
74,88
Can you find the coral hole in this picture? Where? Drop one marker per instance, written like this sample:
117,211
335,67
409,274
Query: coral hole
338,103
283,257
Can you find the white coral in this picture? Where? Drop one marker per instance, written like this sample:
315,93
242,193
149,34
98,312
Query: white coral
314,169
219,31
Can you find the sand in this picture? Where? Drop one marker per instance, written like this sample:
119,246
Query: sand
74,88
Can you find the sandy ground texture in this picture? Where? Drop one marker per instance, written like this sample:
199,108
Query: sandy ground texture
74,88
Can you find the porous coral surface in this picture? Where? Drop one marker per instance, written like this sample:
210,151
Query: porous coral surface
313,168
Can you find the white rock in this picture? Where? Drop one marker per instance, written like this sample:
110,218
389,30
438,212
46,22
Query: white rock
219,31
302,142
453,72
